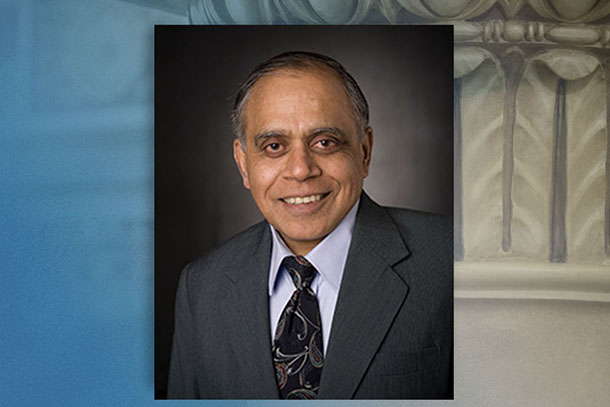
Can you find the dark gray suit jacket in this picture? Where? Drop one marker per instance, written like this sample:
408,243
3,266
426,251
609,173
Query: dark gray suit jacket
392,333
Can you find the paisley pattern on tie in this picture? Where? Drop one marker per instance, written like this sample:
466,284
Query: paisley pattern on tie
297,344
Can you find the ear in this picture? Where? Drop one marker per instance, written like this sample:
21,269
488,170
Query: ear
240,159
367,149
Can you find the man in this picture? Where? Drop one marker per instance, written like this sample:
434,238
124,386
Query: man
332,296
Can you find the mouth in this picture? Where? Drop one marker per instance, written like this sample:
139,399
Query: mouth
303,200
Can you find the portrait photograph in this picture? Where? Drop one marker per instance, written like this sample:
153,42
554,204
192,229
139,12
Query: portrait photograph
303,195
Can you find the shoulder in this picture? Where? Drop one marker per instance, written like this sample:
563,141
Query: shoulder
422,225
209,266
390,230
424,230
428,237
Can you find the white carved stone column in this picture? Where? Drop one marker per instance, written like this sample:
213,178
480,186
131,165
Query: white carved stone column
482,96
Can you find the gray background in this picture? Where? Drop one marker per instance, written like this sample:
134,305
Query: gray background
406,73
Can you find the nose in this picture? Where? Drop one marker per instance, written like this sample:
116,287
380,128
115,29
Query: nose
301,164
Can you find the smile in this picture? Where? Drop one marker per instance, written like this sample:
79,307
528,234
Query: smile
299,200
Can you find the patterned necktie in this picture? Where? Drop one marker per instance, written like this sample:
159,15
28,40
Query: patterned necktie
297,344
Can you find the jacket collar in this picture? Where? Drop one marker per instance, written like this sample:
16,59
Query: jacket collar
371,294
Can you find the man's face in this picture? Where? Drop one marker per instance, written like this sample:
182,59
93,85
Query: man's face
303,163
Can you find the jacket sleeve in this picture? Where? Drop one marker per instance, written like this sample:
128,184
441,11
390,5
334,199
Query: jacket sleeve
182,383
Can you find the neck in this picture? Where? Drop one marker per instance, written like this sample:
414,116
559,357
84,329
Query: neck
300,248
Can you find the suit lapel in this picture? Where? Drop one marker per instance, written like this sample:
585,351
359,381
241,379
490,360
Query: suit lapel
371,294
245,310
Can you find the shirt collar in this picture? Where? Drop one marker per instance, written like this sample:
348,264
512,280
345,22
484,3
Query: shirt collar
328,257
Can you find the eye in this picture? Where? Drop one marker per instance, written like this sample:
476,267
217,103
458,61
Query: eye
273,149
325,144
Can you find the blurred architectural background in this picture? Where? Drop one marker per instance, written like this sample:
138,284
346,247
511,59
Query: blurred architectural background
531,193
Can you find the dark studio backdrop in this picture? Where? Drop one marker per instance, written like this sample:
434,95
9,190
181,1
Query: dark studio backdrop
406,73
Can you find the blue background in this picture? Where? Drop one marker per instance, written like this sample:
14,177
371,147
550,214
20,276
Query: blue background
76,212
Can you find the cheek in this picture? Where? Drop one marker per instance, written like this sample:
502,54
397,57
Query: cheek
263,175
347,171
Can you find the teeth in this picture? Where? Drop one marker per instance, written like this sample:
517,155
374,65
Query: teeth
303,200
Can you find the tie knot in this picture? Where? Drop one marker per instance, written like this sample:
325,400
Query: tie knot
301,271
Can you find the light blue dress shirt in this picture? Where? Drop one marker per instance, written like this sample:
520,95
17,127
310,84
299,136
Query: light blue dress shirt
328,257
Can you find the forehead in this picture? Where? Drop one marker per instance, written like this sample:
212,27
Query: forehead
320,78
295,91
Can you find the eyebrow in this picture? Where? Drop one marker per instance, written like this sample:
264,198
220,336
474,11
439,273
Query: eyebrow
328,130
278,133
267,134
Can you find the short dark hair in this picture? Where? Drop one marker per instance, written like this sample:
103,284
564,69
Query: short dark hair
300,60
